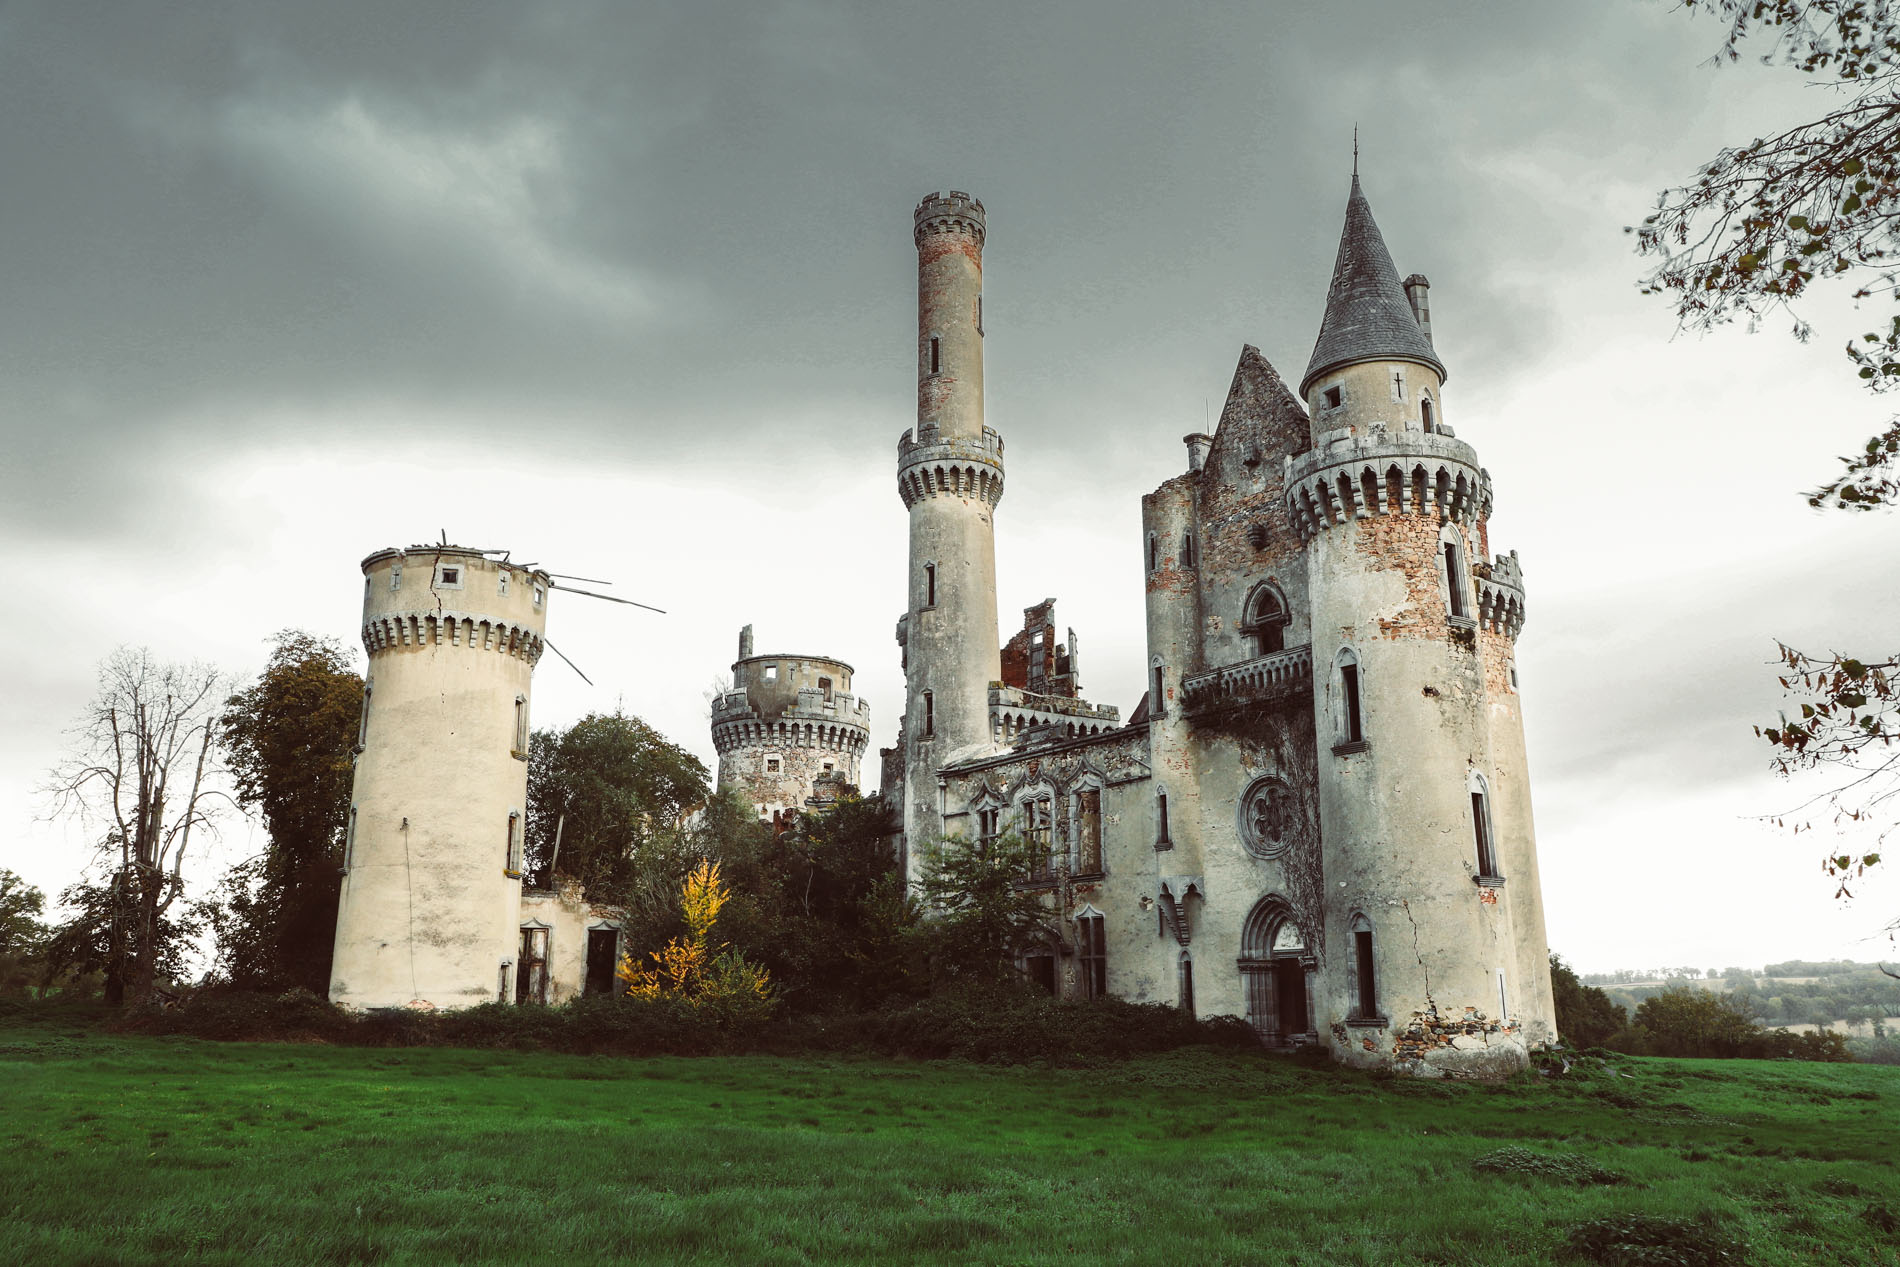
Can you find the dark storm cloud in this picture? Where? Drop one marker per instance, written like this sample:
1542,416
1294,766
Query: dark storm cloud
585,224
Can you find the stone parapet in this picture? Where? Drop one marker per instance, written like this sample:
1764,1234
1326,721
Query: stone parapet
931,466
953,212
1014,711
1280,675
392,631
1501,595
1352,475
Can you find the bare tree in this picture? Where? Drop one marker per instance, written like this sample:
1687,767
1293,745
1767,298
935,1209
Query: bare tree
143,767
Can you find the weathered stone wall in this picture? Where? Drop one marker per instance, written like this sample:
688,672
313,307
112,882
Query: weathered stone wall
568,916
787,721
427,912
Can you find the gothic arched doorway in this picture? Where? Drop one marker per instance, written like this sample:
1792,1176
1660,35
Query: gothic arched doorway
1276,971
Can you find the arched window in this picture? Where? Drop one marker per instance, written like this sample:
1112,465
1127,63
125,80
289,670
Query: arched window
1162,839
1265,619
1187,983
1158,689
1349,710
1091,952
930,585
1365,996
1485,843
1425,413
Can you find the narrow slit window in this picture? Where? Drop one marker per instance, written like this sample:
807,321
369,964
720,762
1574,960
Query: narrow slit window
1425,413
1504,1001
1187,550
1187,985
1161,819
513,867
521,725
1092,957
1367,1001
349,841
362,722
930,585
930,715
1349,687
1154,553
1159,704
1481,835
936,355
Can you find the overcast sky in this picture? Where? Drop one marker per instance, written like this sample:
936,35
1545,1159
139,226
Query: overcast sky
630,290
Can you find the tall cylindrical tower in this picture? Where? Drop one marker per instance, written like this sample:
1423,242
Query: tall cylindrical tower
788,723
432,865
1429,860
950,476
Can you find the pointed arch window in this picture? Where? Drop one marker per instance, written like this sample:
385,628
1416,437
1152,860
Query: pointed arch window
1425,414
1091,955
1265,619
1364,967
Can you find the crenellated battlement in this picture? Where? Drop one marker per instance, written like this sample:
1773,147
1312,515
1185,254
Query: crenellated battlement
1356,476
1501,596
1014,711
732,731
930,466
394,631
953,212
841,709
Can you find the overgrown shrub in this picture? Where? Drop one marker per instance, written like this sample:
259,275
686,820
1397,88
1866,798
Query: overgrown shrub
1557,1167
1646,1240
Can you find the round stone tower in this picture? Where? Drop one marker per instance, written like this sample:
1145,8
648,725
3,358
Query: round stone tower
788,725
1429,854
432,862
950,476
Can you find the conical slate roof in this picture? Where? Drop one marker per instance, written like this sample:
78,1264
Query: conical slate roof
1368,317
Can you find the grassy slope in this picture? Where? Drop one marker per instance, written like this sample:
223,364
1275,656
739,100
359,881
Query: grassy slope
165,1150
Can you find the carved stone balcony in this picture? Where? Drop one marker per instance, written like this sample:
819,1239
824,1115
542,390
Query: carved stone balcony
1276,677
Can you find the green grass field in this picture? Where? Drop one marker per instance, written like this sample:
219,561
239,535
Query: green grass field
145,1150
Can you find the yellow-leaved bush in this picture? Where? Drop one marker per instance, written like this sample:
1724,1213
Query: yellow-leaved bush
709,977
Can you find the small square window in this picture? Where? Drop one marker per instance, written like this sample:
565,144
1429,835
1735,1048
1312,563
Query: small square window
771,765
771,673
1334,396
448,577
540,596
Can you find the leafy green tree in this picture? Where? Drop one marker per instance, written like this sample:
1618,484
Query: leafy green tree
606,787
290,739
1757,228
1585,1015
823,906
117,938
979,918
22,936
1685,1022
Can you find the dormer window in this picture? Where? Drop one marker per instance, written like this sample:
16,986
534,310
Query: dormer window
1335,396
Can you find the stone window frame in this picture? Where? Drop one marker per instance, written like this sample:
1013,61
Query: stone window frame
1333,395
1184,982
512,860
1154,552
1484,836
930,715
519,749
440,579
1362,975
1348,702
1253,622
1039,841
362,720
1187,551
1088,782
1164,838
536,924
1157,687
933,349
349,841
929,600
1091,951
1454,579
1243,821
1428,419
772,761
540,597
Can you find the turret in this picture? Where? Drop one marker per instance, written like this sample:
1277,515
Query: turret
433,857
1428,849
788,723
950,476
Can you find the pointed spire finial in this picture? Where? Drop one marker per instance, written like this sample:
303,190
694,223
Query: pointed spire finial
1355,149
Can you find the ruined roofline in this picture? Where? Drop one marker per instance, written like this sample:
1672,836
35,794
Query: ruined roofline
451,551
833,661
